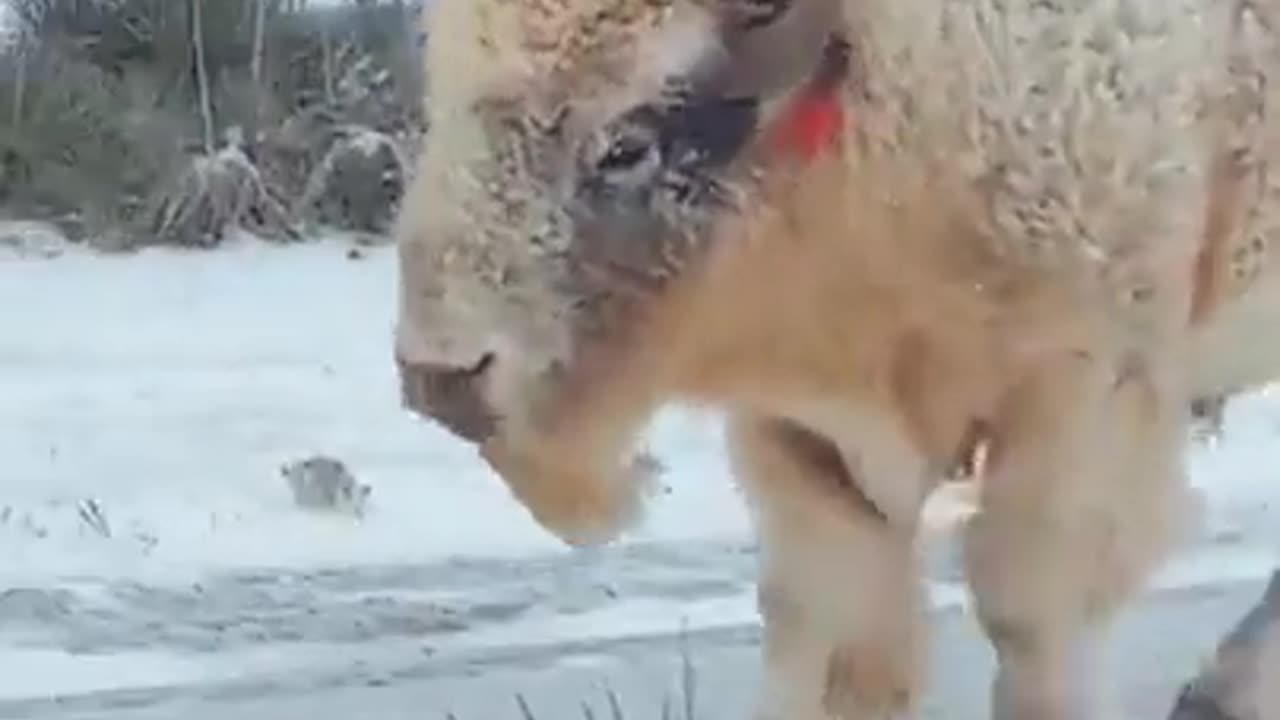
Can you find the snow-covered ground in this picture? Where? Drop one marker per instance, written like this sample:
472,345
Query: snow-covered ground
162,391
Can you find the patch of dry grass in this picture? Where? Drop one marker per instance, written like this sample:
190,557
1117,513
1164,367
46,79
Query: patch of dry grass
680,705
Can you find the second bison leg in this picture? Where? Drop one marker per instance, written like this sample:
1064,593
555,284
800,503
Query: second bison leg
1082,496
839,593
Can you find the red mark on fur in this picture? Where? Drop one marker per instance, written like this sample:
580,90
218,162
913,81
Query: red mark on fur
811,125
815,120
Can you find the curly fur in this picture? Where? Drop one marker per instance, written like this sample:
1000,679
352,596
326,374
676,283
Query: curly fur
1049,221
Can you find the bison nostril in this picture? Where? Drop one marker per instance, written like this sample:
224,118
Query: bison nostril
453,396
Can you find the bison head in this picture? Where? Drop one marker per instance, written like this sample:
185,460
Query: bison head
580,153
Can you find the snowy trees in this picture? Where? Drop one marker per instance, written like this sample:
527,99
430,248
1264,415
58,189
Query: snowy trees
107,110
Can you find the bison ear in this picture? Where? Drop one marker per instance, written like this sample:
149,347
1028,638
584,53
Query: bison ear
774,45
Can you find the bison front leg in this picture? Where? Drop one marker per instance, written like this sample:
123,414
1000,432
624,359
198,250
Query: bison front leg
1082,495
838,593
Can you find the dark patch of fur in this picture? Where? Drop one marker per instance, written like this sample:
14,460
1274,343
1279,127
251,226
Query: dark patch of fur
650,231
823,458
835,65
451,396
755,14
632,241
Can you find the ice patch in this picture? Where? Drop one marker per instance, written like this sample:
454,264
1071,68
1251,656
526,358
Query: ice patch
33,673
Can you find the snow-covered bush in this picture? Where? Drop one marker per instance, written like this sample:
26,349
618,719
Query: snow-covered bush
108,115
359,183
217,194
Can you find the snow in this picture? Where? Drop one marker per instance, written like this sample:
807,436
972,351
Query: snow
369,142
168,387
31,673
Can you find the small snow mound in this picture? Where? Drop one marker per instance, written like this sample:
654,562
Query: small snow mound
368,142
31,240
359,183
323,483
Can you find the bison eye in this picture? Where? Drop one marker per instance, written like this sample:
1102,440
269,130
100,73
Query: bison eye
630,158
625,153
632,155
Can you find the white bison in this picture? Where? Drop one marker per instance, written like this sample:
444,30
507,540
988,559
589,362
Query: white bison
1043,224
